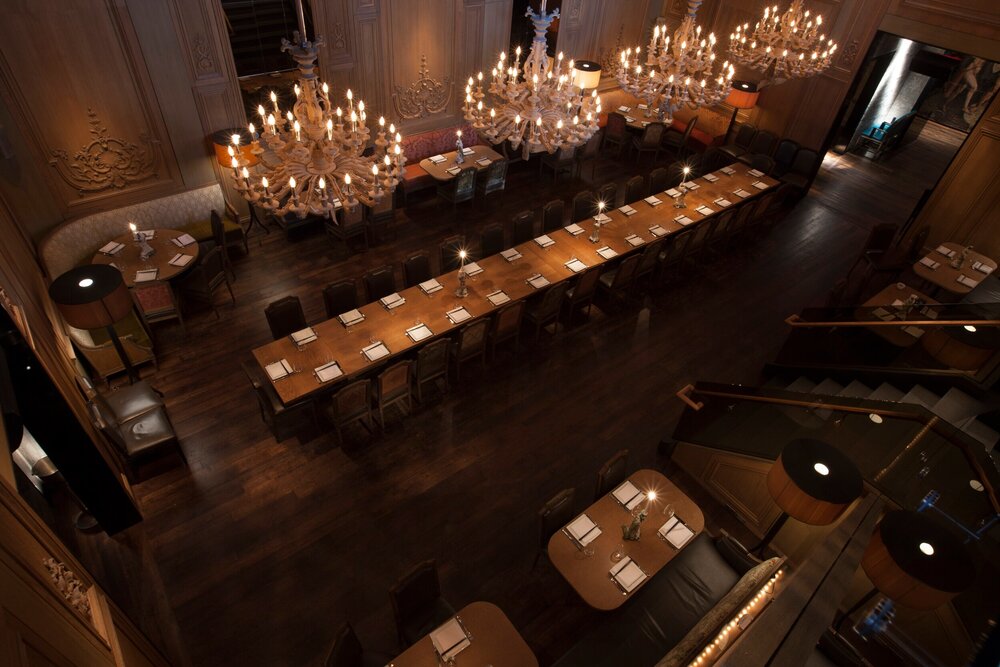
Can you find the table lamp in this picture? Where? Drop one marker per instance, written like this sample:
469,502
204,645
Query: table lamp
812,482
743,95
94,296
586,74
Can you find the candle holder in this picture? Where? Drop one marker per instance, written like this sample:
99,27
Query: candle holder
958,261
462,291
460,158
679,201
633,531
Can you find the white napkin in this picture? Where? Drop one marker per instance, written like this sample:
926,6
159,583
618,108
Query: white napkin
634,240
544,241
760,185
328,372
691,185
628,494
278,369
704,210
419,332
947,252
111,247
466,150
511,254
723,202
431,286
916,332
375,351
574,229
148,234
583,529
756,173
145,275
982,268
601,219
643,107
629,119
683,220
624,109
628,574
575,265
538,281
627,210
458,315
675,532
674,192
350,317
741,193
711,178
498,298
306,335
180,259
929,263
728,171
436,159
606,252
965,280
453,170
656,230
473,269
184,240
392,301
449,639
883,314
483,162
652,200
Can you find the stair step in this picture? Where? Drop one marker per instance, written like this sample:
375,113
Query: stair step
855,390
801,384
982,433
920,396
957,407
828,387
886,392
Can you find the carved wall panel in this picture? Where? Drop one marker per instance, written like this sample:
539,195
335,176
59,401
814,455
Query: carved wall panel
423,97
90,113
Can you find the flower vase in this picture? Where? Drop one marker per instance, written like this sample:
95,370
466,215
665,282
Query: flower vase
460,158
633,531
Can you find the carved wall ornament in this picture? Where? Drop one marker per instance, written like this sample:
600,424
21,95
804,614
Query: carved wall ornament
609,57
106,162
424,96
849,54
68,585
203,61
339,37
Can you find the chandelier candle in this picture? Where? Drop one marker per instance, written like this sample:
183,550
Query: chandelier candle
783,46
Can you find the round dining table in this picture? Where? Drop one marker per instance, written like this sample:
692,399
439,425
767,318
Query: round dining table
164,260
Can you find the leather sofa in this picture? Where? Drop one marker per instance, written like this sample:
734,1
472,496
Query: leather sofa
680,610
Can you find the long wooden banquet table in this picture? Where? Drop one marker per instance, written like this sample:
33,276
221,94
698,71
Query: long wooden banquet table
335,342
590,575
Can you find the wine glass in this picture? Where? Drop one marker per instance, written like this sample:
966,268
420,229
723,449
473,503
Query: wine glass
669,510
618,553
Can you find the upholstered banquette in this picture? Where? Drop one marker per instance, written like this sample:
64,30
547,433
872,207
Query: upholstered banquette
425,144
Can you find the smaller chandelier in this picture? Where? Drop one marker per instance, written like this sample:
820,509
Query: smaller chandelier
783,46
678,73
540,104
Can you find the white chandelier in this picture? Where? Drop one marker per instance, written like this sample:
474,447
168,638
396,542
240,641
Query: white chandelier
783,46
539,104
312,158
678,73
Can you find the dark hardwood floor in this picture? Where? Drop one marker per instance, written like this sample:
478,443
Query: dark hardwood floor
261,549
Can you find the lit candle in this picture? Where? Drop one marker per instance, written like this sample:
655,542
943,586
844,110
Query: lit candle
264,184
322,187
297,90
354,121
461,259
271,125
236,166
246,177
350,99
298,130
235,139
329,129
253,131
262,113
650,496
381,123
326,89
274,101
291,187
132,228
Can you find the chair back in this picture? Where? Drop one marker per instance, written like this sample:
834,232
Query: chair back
725,220
616,127
652,134
491,240
472,339
218,230
465,184
209,273
416,591
393,381
634,188
586,285
551,301
261,392
552,216
496,176
917,243
507,321
555,514
608,193
805,163
745,135
522,228
155,301
380,282
432,359
687,130
650,255
346,650
416,269
352,400
340,297
679,244
713,159
583,205
761,162
625,272
352,217
449,249
658,179
763,142
612,473
285,316
591,149
784,154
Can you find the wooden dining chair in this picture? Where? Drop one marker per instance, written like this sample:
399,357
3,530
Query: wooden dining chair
649,142
448,253
744,137
635,189
553,515
615,282
155,302
522,228
658,179
784,155
431,365
392,387
491,240
562,161
494,178
615,133
219,236
611,474
584,206
417,269
378,283
346,224
283,420
608,193
352,403
552,216
547,309
582,292
417,604
649,259
470,343
285,316
201,282
676,142
589,153
763,143
506,326
459,189
340,297
761,162
675,251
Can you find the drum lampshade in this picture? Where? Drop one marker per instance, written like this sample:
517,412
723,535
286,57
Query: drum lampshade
813,481
91,296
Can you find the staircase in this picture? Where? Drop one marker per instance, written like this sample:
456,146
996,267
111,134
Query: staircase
256,28
955,406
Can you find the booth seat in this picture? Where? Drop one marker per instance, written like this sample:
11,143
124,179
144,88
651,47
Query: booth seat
680,610
75,242
417,147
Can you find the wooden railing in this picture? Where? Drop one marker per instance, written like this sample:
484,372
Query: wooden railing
797,321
